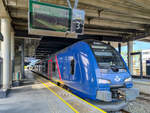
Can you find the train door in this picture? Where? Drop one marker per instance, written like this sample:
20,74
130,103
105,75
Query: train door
65,71
74,69
74,72
53,69
56,69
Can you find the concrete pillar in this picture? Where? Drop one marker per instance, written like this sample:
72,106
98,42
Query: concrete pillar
5,49
130,57
12,56
22,60
119,48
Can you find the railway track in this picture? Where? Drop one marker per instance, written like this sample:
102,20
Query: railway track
124,111
121,111
144,96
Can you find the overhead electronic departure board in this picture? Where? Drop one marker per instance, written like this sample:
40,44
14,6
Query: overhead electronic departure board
53,20
50,17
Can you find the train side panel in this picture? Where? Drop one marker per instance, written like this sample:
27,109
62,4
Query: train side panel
77,68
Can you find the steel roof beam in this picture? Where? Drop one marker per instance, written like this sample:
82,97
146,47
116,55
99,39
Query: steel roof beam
106,5
3,11
102,24
114,24
104,14
54,43
143,3
24,33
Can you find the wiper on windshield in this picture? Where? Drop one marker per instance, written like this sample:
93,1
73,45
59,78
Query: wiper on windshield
114,68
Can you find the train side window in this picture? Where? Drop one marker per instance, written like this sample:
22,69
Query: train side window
72,66
54,66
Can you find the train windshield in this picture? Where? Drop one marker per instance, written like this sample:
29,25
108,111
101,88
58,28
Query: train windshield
107,56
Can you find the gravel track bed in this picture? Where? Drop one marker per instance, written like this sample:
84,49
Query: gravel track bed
139,106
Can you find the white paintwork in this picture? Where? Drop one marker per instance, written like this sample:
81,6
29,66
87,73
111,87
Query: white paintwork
5,49
130,57
12,56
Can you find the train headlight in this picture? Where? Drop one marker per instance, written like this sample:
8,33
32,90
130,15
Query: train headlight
102,81
128,79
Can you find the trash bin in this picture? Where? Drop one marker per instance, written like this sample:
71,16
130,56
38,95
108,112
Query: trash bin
148,67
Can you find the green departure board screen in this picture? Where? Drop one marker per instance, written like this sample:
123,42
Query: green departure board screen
45,16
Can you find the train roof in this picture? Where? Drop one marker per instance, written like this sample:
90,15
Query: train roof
88,41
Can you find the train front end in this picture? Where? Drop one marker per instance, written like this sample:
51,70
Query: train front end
114,81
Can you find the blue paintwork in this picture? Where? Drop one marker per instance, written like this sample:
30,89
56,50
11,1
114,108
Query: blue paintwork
84,81
84,75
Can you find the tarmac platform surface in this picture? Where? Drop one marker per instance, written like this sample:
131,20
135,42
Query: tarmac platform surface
36,97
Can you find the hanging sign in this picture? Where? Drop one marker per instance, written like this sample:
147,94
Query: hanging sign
53,20
49,19
78,17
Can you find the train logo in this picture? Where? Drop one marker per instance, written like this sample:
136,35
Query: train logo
117,79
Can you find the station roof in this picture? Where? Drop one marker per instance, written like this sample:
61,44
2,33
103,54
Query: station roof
117,20
49,45
120,18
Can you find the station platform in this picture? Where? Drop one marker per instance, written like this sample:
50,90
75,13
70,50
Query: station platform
38,95
143,85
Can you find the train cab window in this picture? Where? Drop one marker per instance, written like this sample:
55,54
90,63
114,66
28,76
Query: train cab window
106,56
54,66
72,66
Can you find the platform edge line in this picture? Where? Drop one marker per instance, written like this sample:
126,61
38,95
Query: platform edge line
81,99
59,97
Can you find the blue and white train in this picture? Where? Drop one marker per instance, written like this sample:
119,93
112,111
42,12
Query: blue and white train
92,70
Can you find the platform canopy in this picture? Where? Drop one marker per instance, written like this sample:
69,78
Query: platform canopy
118,20
49,45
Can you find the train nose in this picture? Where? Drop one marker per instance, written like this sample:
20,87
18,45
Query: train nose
114,78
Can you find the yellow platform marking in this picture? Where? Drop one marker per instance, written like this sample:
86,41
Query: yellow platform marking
80,99
60,97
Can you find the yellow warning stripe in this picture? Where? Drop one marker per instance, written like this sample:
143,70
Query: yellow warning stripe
60,97
80,98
